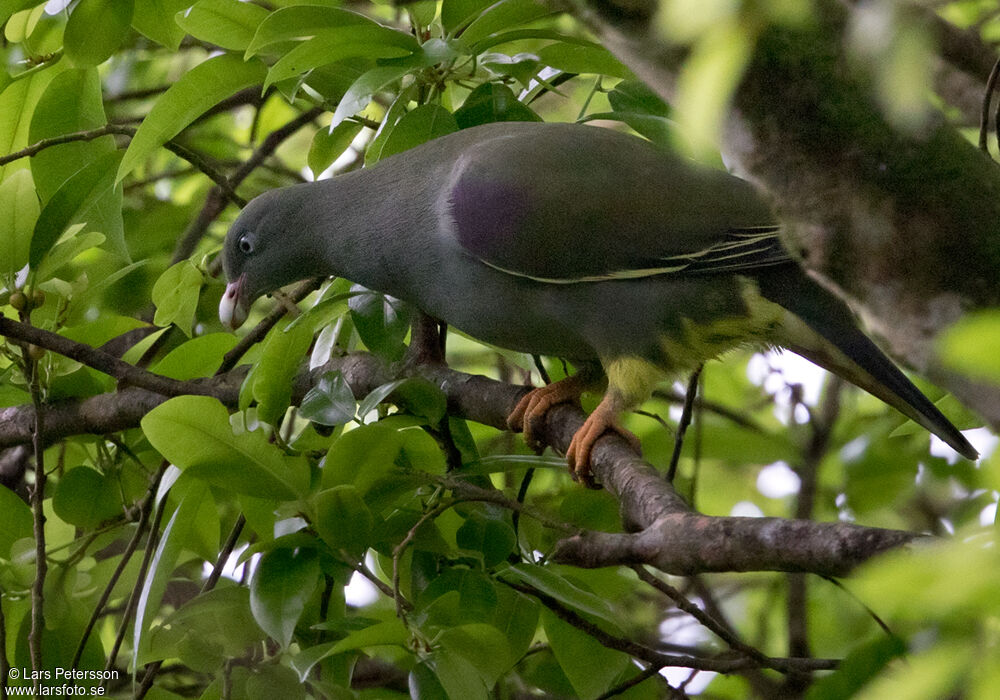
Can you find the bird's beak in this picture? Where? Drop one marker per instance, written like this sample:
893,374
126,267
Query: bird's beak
234,306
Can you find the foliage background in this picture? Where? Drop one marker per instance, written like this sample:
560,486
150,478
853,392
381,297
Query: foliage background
133,129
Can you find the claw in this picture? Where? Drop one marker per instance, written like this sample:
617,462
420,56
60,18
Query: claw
581,447
529,414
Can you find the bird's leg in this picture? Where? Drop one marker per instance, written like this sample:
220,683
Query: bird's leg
529,414
604,418
427,341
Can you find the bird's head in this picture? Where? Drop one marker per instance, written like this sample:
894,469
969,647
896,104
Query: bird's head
261,253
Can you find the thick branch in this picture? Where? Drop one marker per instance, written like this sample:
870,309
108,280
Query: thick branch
671,537
692,543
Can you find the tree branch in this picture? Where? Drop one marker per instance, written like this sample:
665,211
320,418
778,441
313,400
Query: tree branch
177,149
718,664
100,360
670,536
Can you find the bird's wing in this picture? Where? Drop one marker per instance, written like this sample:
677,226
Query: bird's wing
569,204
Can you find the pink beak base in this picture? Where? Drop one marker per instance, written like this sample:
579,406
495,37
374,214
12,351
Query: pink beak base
233,308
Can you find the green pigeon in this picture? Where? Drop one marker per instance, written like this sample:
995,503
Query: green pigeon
570,241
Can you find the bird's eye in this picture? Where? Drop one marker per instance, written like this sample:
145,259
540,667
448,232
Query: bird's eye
246,247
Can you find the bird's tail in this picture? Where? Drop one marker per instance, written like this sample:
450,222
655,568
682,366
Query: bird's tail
850,354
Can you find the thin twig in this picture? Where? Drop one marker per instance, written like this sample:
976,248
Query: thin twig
650,672
88,135
706,620
213,578
685,421
38,524
100,360
384,588
144,511
133,600
258,332
177,149
651,656
214,202
397,552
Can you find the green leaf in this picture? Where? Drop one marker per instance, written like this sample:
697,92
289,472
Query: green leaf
193,432
277,367
377,396
710,75
172,542
76,200
275,681
660,130
634,96
362,456
230,24
218,620
17,107
198,357
421,398
392,632
517,619
332,45
969,346
519,34
494,538
457,13
504,15
72,102
460,596
281,586
458,677
95,30
18,214
72,244
330,401
21,25
546,580
328,145
367,84
591,667
86,498
195,92
483,646
523,67
175,295
302,22
381,321
15,520
493,102
156,20
9,7
423,124
424,683
579,58
343,520
861,665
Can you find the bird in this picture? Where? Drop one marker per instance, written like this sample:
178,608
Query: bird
573,241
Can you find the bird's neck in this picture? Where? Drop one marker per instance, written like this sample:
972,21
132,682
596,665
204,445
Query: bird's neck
360,231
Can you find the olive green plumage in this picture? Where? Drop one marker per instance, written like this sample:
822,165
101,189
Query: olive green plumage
571,241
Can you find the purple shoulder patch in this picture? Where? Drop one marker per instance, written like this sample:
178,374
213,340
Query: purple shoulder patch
488,217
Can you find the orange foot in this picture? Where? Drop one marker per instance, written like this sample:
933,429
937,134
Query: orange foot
529,414
604,418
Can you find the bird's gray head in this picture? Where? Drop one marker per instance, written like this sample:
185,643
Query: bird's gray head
262,252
